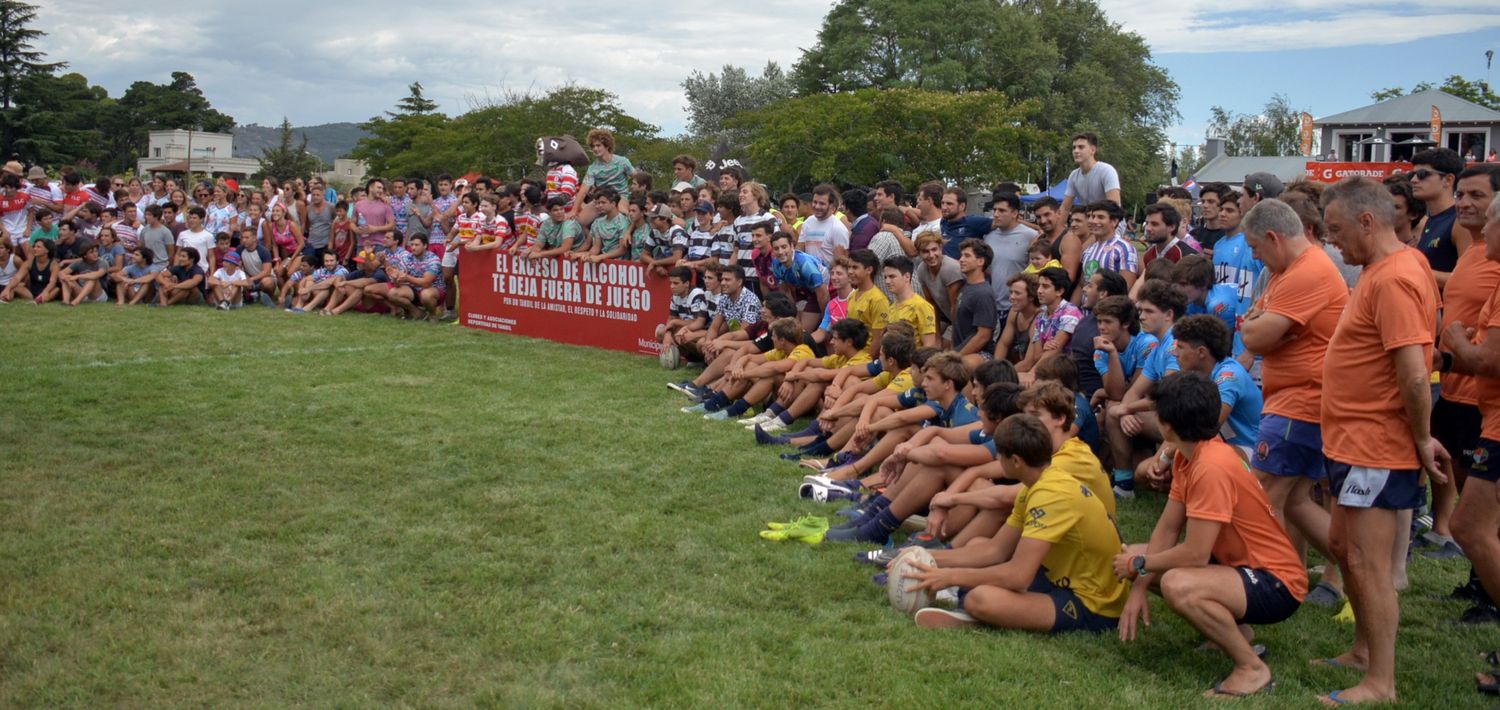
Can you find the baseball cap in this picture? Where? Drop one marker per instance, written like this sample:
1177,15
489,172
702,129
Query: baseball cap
460,182
36,172
232,258
661,211
705,207
232,184
1264,185
682,186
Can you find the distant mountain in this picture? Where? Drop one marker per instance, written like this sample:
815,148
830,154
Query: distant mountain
328,141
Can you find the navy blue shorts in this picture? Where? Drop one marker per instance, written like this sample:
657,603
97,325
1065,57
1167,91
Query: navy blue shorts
1288,447
1456,427
1267,599
1485,464
1364,487
1071,614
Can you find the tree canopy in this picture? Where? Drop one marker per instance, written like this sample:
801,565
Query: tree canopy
1276,130
1475,91
1085,72
285,161
713,100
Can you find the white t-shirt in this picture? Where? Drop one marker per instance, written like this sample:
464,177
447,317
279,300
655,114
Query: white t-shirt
935,226
820,236
203,242
226,277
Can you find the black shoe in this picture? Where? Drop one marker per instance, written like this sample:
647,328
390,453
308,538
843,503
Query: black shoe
1467,592
1480,614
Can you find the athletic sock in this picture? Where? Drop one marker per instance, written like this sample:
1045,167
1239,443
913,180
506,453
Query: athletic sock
786,417
715,401
1124,477
812,430
879,527
776,408
739,407
818,448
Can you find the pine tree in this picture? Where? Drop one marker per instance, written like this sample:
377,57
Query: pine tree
19,58
416,104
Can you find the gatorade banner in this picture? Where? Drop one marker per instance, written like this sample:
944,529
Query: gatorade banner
1334,172
614,305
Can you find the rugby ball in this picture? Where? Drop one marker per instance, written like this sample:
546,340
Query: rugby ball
670,357
903,600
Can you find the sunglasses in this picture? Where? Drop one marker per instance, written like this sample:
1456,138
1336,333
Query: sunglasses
1422,174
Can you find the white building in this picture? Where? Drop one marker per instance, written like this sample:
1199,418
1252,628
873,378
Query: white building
347,171
181,151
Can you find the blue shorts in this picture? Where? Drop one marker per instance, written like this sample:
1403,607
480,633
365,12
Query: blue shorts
1288,447
1070,613
1364,487
1485,465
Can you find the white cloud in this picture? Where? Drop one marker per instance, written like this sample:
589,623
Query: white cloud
1196,27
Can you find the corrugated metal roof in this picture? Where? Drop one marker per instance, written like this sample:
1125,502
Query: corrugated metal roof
1233,169
1414,108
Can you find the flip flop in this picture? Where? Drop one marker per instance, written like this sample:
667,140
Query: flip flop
814,464
1330,663
1333,699
1491,686
1219,691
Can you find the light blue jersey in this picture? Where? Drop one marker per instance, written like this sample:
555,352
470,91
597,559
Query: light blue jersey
1132,360
1239,392
1162,361
1235,264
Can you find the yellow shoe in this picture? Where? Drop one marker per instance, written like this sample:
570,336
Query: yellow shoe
1346,615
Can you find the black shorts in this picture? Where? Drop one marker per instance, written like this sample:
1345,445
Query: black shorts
1456,426
1484,464
1070,613
1267,600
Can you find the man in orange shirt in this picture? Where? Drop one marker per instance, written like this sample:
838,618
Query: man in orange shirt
1290,327
1476,524
1455,416
1235,565
1377,404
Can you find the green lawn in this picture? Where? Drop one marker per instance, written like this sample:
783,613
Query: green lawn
207,509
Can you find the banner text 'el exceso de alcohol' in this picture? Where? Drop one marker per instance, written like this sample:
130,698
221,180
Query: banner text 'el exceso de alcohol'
613,304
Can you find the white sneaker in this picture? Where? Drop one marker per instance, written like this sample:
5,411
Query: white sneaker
772,425
752,421
947,597
935,618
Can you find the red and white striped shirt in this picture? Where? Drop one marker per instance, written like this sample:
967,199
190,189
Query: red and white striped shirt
562,180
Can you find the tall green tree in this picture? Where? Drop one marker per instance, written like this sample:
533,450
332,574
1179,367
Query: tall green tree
909,135
714,99
416,104
146,107
19,57
1276,130
1085,71
1475,91
285,161
56,119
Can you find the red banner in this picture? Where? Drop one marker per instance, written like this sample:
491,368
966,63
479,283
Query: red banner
1334,172
615,304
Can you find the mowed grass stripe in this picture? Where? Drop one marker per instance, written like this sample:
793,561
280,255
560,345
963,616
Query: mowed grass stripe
253,508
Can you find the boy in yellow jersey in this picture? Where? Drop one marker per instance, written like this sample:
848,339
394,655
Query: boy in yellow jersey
1052,405
1050,569
867,303
897,355
909,307
748,384
802,388
920,467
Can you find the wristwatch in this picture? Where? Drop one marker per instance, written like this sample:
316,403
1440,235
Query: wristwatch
1138,563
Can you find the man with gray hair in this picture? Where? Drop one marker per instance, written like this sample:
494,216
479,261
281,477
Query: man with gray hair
1289,327
1376,409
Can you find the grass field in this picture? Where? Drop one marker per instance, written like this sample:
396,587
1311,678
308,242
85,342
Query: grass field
207,509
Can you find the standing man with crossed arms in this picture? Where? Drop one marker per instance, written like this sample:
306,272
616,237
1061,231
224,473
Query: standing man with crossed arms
1290,327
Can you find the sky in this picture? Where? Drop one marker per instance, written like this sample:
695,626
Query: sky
330,62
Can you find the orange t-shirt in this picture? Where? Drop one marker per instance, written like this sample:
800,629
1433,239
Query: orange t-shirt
1487,389
1394,304
1311,294
1474,280
1214,485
